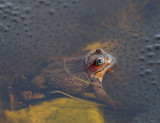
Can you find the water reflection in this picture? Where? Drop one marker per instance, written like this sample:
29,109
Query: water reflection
32,31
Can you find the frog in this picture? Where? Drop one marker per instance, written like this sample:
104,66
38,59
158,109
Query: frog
70,75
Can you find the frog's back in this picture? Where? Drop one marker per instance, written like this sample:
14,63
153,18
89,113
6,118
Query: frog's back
65,74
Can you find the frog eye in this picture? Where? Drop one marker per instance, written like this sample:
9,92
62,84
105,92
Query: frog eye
99,61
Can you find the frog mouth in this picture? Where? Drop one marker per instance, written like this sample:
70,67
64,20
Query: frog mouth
110,62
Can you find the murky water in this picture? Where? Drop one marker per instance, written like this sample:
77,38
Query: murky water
34,30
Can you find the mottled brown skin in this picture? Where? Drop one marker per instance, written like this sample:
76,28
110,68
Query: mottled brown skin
73,75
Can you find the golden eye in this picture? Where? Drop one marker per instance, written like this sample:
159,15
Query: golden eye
99,61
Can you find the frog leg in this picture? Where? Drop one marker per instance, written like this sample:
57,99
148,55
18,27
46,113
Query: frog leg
28,90
102,95
20,90
68,95
14,101
17,99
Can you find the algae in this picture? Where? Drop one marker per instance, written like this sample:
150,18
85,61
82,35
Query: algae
61,110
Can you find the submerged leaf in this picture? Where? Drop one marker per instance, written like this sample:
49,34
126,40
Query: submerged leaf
58,111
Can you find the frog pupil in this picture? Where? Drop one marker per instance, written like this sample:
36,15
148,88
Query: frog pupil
99,62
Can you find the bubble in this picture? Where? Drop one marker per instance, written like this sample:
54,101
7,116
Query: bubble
151,63
142,51
9,4
158,62
5,16
141,58
141,74
2,6
15,19
15,13
158,87
154,83
149,47
157,37
65,5
156,46
148,71
151,55
51,11
16,8
23,17
147,39
27,10
6,11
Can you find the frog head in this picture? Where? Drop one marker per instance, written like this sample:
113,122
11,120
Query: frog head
98,62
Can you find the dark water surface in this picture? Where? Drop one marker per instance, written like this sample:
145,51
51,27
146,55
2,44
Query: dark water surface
32,31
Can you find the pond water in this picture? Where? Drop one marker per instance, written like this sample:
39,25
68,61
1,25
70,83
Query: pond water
32,31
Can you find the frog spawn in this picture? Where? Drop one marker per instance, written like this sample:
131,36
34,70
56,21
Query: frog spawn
21,15
23,53
140,89
133,71
152,58
137,73
151,72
